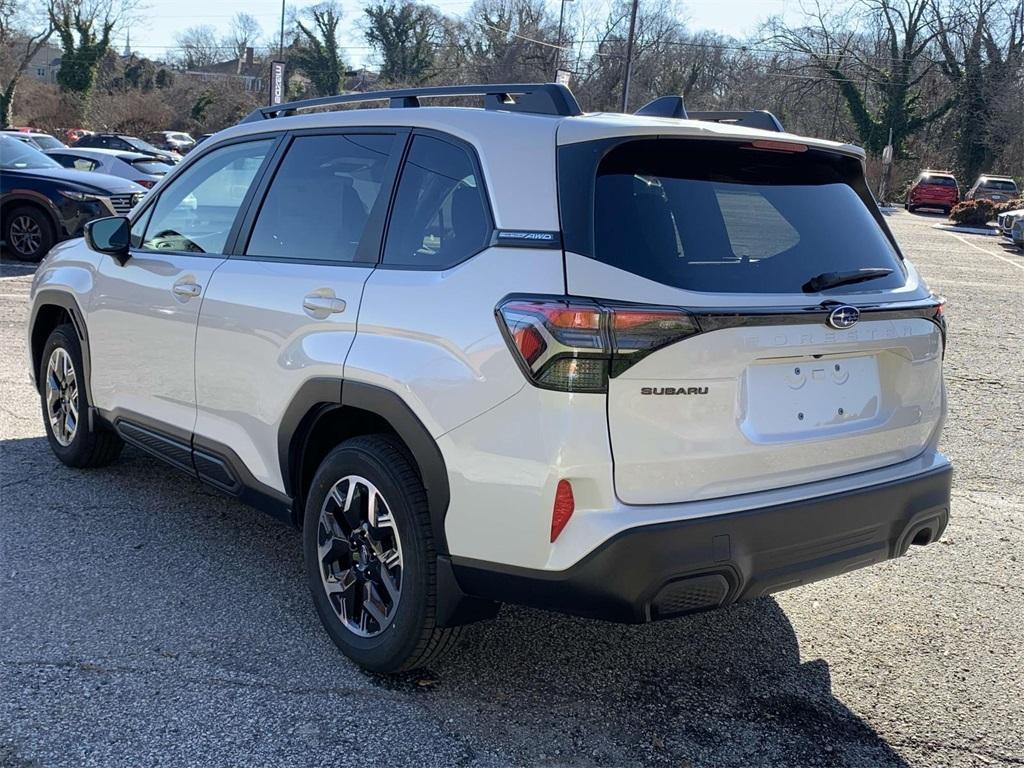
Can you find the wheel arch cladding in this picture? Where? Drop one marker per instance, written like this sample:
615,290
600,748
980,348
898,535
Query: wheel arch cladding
52,309
326,412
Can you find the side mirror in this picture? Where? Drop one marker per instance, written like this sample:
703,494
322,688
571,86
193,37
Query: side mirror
111,235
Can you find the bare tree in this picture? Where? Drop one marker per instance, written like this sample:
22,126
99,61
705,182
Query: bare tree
404,34
84,28
316,51
982,44
878,60
199,47
24,30
245,33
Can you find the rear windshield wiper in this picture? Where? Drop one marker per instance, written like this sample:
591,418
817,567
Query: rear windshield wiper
827,280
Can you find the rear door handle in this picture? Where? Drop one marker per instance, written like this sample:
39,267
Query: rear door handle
322,306
186,290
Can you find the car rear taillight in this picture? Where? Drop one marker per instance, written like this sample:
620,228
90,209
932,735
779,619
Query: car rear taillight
575,345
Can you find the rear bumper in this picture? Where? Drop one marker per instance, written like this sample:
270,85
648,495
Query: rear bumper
665,570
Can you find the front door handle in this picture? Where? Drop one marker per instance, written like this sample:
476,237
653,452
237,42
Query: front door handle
322,306
186,290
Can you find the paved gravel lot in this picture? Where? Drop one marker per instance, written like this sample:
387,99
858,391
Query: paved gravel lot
145,621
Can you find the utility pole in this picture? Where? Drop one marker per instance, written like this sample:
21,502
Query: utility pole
280,44
561,25
629,57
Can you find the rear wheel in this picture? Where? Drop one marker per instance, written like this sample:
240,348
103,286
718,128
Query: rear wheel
911,208
28,233
370,559
66,406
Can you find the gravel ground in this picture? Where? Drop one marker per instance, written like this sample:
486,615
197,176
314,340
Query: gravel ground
147,621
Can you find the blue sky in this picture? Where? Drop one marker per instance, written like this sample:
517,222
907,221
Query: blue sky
161,21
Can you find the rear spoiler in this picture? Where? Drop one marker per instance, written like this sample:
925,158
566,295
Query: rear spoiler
672,106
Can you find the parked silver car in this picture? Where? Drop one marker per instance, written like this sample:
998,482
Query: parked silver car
1007,220
142,169
35,139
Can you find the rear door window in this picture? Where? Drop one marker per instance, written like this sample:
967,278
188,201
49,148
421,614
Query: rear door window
724,217
325,202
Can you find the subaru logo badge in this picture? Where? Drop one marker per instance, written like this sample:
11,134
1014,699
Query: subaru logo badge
843,317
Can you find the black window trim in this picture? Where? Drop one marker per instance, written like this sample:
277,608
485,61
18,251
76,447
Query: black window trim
474,159
379,216
150,201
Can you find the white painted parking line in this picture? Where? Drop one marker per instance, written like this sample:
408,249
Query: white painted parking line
1017,264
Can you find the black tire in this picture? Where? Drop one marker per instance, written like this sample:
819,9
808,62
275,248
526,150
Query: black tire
88,447
412,639
911,208
28,233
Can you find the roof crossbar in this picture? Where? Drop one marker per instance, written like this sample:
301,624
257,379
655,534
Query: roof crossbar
532,98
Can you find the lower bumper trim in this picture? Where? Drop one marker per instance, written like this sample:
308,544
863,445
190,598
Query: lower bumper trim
669,569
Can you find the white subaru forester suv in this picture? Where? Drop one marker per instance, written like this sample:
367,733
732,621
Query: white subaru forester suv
620,366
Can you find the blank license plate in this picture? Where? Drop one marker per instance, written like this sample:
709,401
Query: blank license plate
795,398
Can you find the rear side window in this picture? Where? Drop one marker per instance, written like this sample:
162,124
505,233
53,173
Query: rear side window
440,216
320,202
723,217
73,161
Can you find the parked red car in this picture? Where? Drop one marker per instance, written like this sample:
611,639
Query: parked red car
74,134
933,189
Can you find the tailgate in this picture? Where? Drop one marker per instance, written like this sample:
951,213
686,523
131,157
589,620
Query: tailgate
751,408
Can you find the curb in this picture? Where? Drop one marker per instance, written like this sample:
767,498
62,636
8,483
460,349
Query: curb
966,230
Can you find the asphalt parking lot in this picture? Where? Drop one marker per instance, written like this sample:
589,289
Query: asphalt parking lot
147,621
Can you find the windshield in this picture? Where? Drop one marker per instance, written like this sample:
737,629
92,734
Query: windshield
726,217
46,142
154,167
140,144
17,155
941,181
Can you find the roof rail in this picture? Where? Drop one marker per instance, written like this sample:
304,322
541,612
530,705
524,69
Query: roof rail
532,98
766,121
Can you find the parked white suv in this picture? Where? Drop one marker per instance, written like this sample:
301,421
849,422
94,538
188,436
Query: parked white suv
620,366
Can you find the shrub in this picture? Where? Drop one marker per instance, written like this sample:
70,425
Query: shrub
972,213
1010,205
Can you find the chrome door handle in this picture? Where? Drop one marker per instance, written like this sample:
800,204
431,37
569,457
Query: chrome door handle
186,290
321,306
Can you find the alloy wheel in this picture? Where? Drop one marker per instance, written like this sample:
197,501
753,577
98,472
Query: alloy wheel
26,235
62,396
360,556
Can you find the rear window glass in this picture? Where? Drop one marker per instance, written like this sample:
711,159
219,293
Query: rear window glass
999,185
154,167
719,217
941,181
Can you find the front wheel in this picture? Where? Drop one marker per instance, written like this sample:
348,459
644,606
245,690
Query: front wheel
65,405
370,559
28,233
